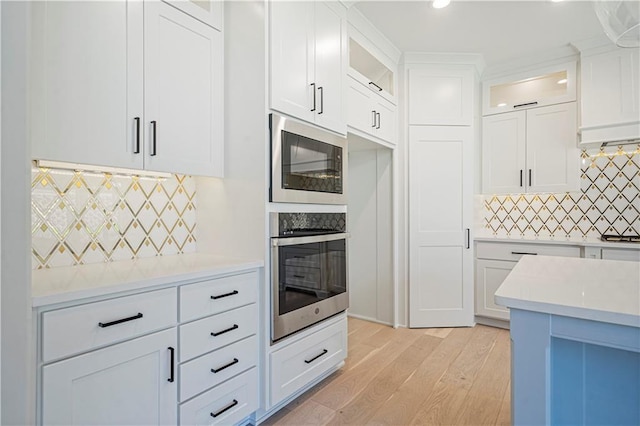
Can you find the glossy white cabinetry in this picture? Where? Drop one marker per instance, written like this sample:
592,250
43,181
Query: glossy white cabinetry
373,71
441,96
295,365
95,103
530,89
495,260
531,151
308,49
440,218
129,383
208,11
131,344
610,95
370,113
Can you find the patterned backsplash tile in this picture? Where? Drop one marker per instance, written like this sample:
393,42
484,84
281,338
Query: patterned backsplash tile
608,202
83,217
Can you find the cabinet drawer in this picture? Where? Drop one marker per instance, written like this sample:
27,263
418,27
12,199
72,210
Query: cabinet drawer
80,328
198,375
231,402
218,295
297,364
514,251
196,338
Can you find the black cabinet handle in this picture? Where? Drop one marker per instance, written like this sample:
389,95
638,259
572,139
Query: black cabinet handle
136,150
314,96
529,177
468,238
378,116
376,86
226,330
120,321
309,361
524,253
219,369
228,407
172,351
153,139
298,276
374,119
521,177
524,105
220,296
321,89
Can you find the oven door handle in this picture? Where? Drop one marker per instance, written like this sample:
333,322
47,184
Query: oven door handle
290,241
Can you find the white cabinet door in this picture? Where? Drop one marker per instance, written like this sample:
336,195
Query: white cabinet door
441,96
330,66
490,275
553,158
87,89
503,153
440,216
610,96
123,384
184,93
386,126
360,114
292,58
208,11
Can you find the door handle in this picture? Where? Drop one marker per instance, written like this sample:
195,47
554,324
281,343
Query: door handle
378,115
521,178
228,407
309,361
136,150
172,351
374,119
529,177
226,330
219,369
220,296
314,96
376,86
468,238
321,89
153,140
120,321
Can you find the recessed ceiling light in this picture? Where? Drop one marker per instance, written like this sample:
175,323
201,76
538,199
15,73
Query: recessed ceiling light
439,4
563,81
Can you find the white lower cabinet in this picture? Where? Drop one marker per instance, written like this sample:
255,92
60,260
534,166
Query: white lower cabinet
131,383
621,254
294,366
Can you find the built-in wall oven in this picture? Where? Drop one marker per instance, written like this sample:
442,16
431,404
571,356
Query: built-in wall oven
309,270
308,164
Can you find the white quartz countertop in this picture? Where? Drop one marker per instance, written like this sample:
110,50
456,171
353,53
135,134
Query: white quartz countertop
582,242
66,284
591,289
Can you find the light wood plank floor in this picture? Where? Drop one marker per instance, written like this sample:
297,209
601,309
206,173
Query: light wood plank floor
452,376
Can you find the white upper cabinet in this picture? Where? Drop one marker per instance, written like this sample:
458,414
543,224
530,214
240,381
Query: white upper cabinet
87,90
127,84
308,62
610,96
208,11
370,70
441,96
370,113
531,151
530,89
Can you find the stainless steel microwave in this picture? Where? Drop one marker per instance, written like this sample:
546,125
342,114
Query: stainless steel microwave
308,164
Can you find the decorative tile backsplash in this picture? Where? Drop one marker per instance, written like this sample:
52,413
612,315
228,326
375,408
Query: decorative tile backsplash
84,217
608,202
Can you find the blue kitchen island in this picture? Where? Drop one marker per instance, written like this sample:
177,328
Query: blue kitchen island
575,332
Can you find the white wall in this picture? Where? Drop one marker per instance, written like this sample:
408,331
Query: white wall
231,211
16,351
371,228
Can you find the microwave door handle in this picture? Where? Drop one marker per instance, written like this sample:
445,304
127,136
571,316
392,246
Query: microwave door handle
290,241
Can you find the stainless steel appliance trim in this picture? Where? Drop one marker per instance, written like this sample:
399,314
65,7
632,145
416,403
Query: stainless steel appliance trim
279,123
290,241
289,323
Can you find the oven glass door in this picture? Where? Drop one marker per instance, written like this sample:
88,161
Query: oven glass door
309,272
311,165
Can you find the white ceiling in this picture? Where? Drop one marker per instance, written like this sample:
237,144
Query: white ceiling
501,31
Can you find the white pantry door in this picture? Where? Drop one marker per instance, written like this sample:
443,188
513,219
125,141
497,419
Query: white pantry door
440,217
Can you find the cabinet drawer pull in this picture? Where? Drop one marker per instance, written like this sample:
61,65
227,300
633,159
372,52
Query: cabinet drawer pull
524,253
314,96
217,333
376,86
298,276
219,369
309,361
120,321
378,115
220,296
172,351
526,104
136,150
321,89
373,124
153,140
228,407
